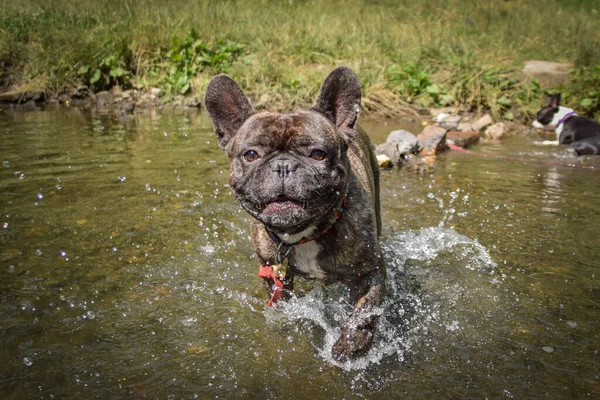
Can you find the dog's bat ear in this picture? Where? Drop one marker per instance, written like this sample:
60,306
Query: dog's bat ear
555,100
339,101
227,106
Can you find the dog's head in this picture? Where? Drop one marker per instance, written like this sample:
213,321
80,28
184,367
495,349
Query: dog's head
548,116
287,170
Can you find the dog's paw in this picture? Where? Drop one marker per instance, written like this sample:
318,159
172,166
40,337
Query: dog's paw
355,341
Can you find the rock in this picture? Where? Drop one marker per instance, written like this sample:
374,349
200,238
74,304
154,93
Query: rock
399,136
462,138
441,116
398,143
145,101
495,131
104,99
482,122
390,150
28,106
449,121
193,102
549,74
435,112
432,140
156,92
21,97
384,161
465,126
432,129
407,142
64,99
177,101
84,103
419,164
126,107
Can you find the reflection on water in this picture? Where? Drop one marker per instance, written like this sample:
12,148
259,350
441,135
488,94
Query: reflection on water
127,271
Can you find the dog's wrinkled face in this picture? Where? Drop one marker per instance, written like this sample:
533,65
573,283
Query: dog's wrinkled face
288,170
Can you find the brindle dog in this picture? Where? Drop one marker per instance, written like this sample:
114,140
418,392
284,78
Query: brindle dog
310,180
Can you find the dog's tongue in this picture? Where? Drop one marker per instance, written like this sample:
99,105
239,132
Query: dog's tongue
281,206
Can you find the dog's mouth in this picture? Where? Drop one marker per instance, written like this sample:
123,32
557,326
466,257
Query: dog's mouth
282,205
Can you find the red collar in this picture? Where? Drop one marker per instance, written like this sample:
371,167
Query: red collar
283,251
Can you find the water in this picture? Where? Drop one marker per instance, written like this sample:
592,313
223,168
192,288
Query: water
126,271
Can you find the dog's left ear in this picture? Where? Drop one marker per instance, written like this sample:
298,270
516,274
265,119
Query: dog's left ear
339,101
555,100
227,106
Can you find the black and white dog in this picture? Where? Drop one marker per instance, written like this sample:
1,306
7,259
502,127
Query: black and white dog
581,133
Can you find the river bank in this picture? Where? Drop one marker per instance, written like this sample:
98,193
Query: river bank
409,57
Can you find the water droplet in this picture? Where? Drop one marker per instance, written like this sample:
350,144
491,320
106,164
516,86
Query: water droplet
90,314
122,178
452,326
5,225
27,361
548,349
62,253
40,196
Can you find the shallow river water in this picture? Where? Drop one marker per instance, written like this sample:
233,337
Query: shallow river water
126,271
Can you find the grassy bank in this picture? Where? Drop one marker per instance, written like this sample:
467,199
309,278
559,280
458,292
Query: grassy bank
407,53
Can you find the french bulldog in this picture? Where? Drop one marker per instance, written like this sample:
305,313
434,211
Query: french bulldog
310,180
581,133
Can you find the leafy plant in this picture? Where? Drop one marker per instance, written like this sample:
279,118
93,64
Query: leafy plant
190,56
408,80
109,68
583,92
413,82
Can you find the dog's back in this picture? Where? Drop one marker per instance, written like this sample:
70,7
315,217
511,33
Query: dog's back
364,164
577,128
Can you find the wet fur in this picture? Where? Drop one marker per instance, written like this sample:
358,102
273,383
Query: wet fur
343,250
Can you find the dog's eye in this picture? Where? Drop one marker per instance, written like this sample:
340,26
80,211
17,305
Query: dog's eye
318,155
251,155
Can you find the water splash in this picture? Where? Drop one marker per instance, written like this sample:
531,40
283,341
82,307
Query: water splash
407,313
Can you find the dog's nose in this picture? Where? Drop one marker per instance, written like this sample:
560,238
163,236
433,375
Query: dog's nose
283,168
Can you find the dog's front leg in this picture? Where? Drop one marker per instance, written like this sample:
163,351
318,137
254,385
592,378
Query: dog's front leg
357,333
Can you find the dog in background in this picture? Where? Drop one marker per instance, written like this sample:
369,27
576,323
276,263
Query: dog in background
582,134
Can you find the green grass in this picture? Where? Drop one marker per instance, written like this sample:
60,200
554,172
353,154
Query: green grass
407,54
